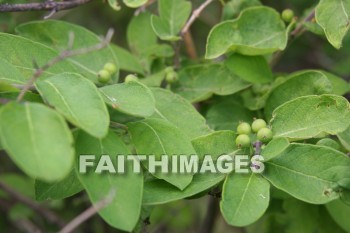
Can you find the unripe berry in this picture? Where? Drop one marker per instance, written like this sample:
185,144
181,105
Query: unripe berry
243,141
104,76
264,135
244,128
110,67
169,69
171,77
130,78
287,15
258,124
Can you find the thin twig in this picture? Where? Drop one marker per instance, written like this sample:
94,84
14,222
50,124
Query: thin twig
195,15
189,45
48,214
88,213
299,28
298,31
63,55
211,214
48,5
143,7
118,125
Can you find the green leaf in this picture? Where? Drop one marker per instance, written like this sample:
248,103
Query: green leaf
200,82
275,147
310,82
218,118
232,8
215,144
78,100
344,138
134,3
254,69
340,213
309,116
308,172
45,150
114,4
58,190
56,35
124,210
159,137
140,35
133,98
302,217
257,31
127,61
333,17
160,192
245,198
173,15
340,86
180,112
21,64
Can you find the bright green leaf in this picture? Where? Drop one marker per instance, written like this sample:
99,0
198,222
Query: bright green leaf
134,3
77,99
340,213
45,150
254,69
308,116
124,210
344,138
173,15
159,137
180,112
133,98
307,172
257,31
127,61
56,35
333,17
310,82
200,82
245,198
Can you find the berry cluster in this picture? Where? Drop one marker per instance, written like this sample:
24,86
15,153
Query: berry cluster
105,75
259,126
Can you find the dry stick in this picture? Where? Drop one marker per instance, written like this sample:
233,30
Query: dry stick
190,47
42,6
77,221
48,214
63,55
195,15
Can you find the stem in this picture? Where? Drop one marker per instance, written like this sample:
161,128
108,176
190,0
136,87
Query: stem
42,6
298,31
209,220
65,54
48,214
195,15
88,213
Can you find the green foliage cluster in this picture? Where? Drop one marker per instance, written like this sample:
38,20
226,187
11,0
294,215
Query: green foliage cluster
151,98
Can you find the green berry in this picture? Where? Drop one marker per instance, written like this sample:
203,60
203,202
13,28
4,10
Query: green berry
169,69
243,141
264,135
131,78
110,67
171,77
258,124
104,76
244,128
287,15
